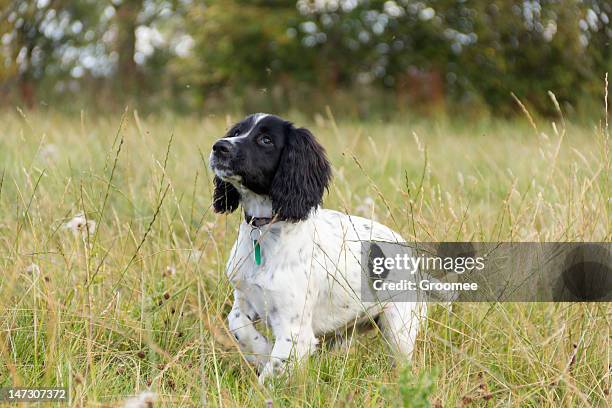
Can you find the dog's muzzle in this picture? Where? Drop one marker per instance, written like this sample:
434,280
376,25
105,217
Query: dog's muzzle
222,149
220,158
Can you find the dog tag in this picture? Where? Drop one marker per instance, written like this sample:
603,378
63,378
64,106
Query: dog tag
255,236
257,252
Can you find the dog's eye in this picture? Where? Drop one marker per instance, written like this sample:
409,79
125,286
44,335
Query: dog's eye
265,140
235,133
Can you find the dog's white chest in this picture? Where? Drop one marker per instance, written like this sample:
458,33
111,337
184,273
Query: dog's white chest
281,272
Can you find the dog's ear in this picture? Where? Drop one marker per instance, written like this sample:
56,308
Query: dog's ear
302,176
225,198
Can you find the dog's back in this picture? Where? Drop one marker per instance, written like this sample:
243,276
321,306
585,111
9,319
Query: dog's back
337,267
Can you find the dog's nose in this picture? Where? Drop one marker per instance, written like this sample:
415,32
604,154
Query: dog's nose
222,147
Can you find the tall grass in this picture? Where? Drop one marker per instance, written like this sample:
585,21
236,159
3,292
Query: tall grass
139,301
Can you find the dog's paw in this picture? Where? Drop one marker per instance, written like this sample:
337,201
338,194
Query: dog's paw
272,368
265,374
257,361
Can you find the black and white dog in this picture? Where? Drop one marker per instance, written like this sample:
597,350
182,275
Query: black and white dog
294,265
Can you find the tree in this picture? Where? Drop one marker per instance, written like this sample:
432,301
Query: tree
34,35
409,53
127,13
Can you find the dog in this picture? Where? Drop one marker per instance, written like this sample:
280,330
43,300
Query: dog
295,266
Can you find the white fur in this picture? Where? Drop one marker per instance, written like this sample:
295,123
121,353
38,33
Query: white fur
257,205
258,117
308,284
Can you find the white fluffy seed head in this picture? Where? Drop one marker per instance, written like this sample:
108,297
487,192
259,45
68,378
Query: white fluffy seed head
170,271
33,269
145,399
81,225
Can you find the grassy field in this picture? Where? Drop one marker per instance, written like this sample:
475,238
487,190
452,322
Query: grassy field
140,302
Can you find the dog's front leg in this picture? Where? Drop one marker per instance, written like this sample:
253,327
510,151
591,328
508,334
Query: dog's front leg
293,337
253,344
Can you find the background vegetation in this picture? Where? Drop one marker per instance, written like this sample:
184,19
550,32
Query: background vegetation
111,261
361,57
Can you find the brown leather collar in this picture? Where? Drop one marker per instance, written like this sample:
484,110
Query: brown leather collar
258,222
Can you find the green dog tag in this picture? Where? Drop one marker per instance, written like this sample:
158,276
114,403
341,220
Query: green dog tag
257,252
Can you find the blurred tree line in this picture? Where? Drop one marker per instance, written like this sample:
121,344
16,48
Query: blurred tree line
361,55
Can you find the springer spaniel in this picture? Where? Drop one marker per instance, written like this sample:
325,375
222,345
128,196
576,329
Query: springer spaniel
295,266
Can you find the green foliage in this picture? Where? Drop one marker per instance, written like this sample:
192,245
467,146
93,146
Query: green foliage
422,52
284,54
34,34
414,390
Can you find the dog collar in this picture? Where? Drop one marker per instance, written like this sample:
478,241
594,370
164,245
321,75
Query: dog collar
257,222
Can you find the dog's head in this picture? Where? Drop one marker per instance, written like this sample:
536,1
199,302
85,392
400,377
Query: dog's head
270,157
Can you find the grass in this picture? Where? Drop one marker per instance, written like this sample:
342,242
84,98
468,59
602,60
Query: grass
140,302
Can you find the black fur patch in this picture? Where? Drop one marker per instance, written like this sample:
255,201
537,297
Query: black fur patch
301,178
225,197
